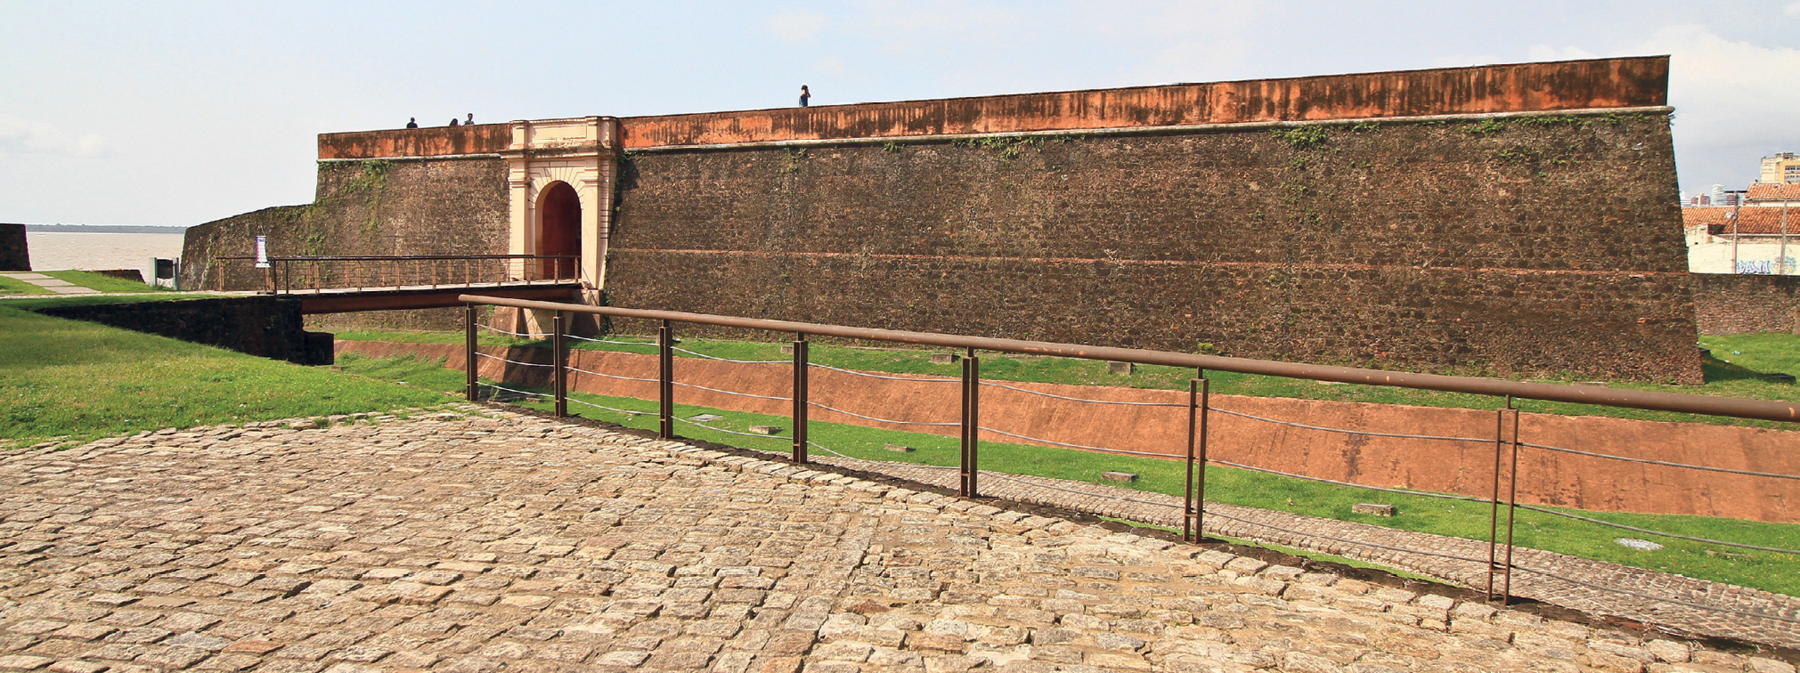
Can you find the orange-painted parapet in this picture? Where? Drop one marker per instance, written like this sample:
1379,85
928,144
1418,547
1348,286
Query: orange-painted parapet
1529,87
427,142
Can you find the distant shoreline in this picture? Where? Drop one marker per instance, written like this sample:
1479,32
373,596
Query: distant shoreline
103,229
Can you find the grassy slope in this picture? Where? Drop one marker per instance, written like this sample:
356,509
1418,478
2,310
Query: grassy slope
29,303
102,283
83,380
1764,570
14,286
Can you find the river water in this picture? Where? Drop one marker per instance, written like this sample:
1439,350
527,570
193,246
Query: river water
56,251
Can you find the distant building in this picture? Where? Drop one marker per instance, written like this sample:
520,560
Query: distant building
1781,195
1781,168
1756,231
1748,240
1719,196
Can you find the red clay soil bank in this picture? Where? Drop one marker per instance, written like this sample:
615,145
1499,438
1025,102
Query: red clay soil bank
1464,467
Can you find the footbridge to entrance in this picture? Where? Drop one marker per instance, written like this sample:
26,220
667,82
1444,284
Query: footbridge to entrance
355,283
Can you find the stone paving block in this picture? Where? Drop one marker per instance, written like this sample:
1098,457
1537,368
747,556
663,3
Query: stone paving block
594,550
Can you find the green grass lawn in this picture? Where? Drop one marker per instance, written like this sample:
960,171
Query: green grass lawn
93,281
1725,379
1751,356
14,286
101,283
79,381
1765,570
35,302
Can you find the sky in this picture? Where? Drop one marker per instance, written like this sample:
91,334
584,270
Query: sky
179,113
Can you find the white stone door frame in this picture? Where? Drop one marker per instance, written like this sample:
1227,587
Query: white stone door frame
581,151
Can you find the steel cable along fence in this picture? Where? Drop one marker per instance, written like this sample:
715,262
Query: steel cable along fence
1206,509
1212,511
1165,455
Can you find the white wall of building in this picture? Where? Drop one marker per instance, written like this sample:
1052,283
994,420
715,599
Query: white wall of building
1762,255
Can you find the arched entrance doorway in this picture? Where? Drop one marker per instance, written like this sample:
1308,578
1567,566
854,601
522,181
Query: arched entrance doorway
559,231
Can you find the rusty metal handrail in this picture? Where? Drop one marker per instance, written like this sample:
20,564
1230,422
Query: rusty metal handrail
391,270
331,258
1612,397
1500,565
410,258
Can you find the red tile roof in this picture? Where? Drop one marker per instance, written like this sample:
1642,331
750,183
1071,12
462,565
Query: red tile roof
1749,220
1761,191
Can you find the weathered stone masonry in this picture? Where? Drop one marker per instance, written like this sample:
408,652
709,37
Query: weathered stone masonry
1507,219
446,205
1402,245
1739,304
15,253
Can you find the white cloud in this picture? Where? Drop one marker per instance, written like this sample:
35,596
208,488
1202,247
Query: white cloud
1793,9
1734,101
833,66
91,146
1544,52
1192,41
21,136
798,27
1728,93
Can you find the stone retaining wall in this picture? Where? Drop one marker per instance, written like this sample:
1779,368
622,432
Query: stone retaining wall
267,327
15,253
1742,304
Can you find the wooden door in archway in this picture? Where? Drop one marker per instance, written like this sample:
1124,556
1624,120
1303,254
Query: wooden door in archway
559,231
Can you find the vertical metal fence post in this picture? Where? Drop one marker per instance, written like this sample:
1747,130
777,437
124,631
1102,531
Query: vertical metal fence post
469,345
665,347
1494,498
1512,502
800,395
560,353
1193,523
971,425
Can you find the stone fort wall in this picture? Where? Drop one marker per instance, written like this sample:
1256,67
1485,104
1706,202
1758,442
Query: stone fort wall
1516,220
1742,304
1398,245
453,205
15,253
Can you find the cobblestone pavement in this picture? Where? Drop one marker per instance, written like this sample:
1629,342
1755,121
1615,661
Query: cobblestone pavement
1682,603
510,542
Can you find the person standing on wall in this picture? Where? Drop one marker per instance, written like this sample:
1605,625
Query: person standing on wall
804,95
412,122
471,121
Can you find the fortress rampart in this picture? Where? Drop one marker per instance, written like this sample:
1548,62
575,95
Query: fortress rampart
1517,219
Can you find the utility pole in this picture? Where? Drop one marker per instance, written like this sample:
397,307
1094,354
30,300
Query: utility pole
1783,258
1736,205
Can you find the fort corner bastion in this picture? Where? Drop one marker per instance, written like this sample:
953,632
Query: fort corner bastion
1511,219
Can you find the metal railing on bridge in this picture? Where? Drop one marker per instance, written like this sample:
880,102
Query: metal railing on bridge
1501,431
291,275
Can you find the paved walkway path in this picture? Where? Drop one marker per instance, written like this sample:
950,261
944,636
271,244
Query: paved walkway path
48,283
509,542
1683,603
